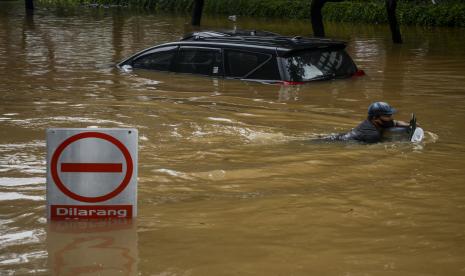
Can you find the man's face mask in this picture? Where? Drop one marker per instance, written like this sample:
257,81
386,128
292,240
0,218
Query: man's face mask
386,122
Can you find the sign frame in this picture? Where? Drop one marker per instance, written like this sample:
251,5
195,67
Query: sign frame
80,184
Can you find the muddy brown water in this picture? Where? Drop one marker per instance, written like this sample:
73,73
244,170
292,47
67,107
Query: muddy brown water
230,182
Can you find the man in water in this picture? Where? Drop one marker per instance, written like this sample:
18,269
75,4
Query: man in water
371,130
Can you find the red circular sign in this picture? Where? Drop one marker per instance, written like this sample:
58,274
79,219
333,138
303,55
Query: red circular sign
99,135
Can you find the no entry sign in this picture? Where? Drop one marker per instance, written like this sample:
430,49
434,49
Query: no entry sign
91,173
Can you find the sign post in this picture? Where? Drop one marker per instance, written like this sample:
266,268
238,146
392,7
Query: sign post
91,173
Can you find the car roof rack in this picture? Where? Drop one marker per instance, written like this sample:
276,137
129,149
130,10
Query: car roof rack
227,33
260,37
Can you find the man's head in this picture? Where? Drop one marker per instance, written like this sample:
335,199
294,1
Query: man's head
380,113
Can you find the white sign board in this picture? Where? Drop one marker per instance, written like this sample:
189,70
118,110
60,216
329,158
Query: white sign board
91,173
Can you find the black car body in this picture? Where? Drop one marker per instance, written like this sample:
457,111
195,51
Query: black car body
249,55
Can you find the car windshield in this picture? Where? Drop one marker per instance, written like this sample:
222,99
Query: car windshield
318,64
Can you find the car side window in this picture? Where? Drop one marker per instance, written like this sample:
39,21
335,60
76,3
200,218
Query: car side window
158,59
239,64
203,61
267,71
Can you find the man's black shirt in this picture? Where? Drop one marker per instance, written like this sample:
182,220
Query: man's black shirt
365,132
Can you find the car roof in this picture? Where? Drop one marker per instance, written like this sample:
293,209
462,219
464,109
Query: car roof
260,39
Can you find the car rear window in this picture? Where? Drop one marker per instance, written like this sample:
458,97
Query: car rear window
318,64
158,59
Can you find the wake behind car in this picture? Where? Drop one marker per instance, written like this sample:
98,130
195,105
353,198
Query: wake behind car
249,55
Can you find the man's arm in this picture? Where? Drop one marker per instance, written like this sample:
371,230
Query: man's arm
401,124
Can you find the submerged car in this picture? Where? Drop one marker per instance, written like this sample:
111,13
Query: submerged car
249,55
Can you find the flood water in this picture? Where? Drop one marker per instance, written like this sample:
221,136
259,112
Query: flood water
230,182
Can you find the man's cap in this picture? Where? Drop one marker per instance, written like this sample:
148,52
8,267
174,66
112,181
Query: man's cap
380,108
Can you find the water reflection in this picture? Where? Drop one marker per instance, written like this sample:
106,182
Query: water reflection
289,93
106,247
